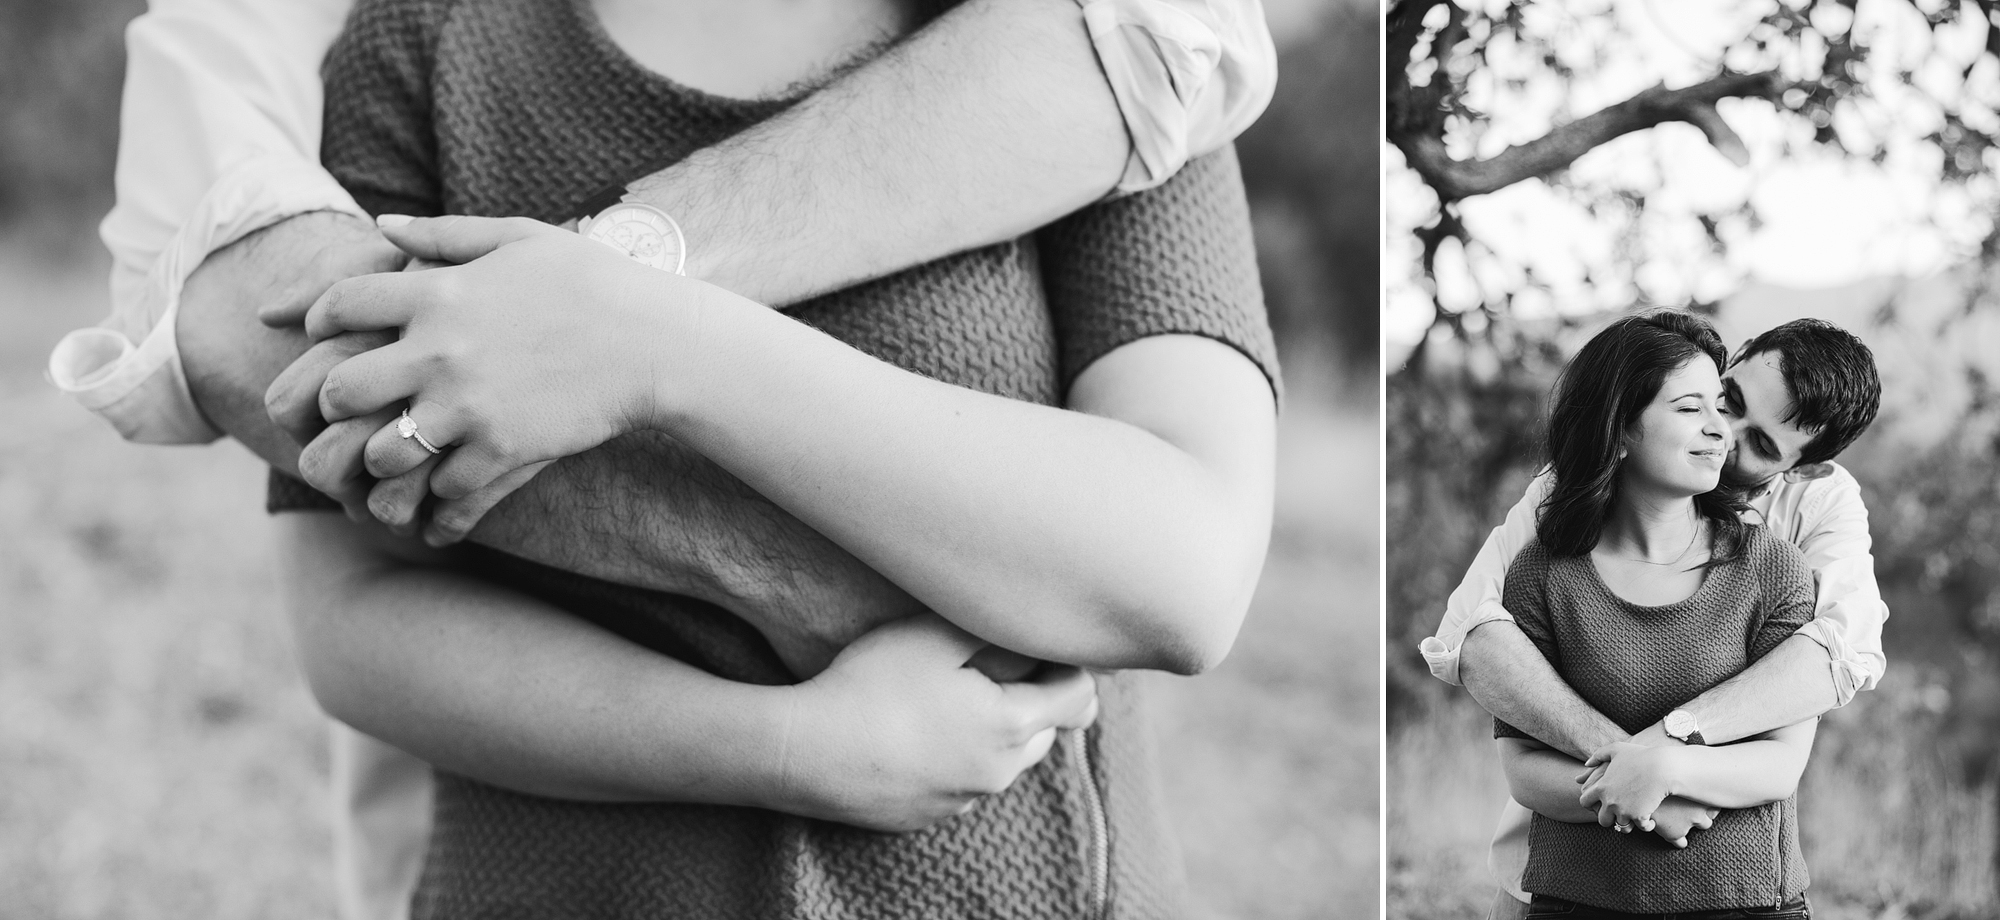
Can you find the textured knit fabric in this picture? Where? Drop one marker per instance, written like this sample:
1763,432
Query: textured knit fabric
509,107
1635,664
1548,908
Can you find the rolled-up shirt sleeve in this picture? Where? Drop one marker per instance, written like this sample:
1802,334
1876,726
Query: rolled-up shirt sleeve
1477,600
1189,76
218,138
1849,613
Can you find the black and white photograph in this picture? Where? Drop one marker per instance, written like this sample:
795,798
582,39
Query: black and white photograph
690,458
1693,458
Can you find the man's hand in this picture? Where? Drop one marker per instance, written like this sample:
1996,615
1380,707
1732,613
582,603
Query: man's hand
228,356
901,733
1677,817
1626,783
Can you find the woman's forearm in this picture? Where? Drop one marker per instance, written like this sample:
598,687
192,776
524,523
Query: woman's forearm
897,734
1745,774
498,686
1127,534
1543,780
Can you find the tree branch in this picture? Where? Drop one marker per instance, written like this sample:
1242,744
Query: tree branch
1695,105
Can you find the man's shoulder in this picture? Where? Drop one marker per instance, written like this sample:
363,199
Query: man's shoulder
1818,488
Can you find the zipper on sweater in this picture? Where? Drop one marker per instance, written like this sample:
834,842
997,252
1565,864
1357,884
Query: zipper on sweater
1099,851
1778,851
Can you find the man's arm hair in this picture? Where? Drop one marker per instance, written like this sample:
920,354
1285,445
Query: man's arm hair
1507,675
982,126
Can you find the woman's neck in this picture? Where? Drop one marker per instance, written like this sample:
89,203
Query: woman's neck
1651,528
750,48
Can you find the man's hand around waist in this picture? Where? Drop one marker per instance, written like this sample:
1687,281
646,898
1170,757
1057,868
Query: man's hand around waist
229,357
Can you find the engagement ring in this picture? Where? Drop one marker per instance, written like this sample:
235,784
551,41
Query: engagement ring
407,427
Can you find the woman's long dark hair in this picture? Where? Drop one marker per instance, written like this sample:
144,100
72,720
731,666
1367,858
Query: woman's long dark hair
1597,400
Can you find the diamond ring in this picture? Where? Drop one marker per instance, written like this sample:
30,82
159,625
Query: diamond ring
407,428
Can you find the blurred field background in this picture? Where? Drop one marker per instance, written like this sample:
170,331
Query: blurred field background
1797,158
160,757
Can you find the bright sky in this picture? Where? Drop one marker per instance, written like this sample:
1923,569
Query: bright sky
1826,221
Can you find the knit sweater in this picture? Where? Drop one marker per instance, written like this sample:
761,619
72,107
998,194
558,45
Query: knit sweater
1635,664
512,107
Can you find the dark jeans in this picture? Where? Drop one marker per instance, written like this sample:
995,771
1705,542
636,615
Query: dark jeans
1544,906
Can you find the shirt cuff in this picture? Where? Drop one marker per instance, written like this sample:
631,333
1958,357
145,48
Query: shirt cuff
1851,674
1442,650
127,369
1188,76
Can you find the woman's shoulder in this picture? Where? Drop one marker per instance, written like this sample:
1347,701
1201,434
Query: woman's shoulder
1531,564
1766,554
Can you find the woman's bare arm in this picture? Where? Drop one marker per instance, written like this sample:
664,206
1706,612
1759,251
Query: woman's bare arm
495,685
1543,780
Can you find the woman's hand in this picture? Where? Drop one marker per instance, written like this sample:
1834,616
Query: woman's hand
540,345
1626,783
1677,817
899,733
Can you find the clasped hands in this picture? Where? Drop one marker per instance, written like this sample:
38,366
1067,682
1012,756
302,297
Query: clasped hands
1631,786
512,343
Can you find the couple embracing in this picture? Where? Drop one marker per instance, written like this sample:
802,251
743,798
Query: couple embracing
745,588
1662,619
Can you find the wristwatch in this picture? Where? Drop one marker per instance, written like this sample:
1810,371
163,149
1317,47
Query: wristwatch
645,234
1680,726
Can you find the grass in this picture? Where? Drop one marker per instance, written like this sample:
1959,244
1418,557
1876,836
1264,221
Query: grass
162,758
1892,826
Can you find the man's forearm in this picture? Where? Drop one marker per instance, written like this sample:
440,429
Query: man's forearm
1790,685
982,126
646,510
1508,676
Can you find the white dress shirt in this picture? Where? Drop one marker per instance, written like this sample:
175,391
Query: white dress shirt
1822,516
220,132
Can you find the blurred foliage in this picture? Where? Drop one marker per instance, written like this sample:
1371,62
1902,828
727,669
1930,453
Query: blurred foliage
1908,85
61,65
1462,442
1313,171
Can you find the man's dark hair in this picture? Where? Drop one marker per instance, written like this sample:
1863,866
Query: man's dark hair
1596,402
1831,376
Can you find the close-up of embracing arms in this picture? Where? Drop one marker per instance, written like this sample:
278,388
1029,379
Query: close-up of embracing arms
229,359
203,245
1124,531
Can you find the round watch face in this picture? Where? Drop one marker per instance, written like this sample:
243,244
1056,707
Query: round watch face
1680,724
642,232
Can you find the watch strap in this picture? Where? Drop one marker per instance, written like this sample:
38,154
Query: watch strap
598,201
